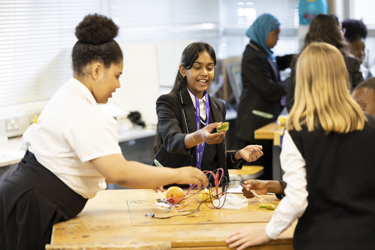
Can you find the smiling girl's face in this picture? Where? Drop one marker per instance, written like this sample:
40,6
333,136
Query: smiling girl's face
200,75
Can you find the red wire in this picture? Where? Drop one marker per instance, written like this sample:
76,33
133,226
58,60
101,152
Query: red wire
217,181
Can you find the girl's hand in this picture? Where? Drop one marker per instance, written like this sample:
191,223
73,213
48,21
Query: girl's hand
246,237
260,187
205,134
251,153
161,189
191,175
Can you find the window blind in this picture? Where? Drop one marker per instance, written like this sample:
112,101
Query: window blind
145,20
36,38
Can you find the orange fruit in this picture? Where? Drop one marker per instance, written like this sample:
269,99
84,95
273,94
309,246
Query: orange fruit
174,194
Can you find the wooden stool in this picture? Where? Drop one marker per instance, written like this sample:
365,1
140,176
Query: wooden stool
246,173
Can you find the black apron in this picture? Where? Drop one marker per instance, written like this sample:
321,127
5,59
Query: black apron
32,200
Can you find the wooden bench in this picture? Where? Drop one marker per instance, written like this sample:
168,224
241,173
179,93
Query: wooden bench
246,173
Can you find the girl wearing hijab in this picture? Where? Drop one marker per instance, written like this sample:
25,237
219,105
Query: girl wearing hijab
260,102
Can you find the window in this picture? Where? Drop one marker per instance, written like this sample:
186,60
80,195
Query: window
363,9
36,38
237,16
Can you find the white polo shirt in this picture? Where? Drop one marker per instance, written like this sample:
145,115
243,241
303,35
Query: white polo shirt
71,131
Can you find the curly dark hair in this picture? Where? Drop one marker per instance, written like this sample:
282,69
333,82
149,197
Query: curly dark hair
354,29
324,28
95,35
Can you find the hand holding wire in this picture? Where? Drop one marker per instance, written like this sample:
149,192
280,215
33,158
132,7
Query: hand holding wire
259,186
191,175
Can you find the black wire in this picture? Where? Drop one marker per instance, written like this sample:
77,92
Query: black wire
225,187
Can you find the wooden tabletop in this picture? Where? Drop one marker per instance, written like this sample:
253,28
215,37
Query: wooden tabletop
271,131
115,219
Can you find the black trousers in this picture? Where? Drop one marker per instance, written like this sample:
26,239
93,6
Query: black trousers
32,200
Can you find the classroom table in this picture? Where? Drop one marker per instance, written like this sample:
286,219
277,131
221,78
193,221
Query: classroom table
115,219
272,131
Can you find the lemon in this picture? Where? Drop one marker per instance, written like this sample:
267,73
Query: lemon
205,195
282,120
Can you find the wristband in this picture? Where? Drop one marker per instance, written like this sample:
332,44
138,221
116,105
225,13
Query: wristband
234,158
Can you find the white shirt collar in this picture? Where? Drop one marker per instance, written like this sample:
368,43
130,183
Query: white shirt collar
192,96
84,90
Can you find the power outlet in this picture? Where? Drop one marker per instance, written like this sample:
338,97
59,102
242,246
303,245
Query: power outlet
12,124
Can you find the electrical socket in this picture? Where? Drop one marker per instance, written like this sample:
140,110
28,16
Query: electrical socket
12,124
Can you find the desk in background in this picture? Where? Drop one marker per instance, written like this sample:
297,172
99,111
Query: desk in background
136,145
272,131
114,219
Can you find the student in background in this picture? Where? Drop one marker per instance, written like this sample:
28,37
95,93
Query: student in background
73,150
328,160
355,32
188,116
260,102
327,28
364,95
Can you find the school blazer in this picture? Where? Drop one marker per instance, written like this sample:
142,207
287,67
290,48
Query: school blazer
262,90
176,118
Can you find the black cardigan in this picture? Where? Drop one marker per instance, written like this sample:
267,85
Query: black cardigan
340,171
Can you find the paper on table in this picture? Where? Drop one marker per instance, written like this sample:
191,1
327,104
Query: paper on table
235,190
113,110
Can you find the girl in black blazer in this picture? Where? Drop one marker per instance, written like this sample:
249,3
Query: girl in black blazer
184,133
260,102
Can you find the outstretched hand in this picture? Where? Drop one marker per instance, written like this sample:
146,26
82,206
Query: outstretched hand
215,138
251,153
191,175
247,237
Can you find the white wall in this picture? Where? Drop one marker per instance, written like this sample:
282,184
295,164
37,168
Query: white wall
139,80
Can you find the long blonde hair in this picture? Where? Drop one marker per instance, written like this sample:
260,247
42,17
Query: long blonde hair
322,92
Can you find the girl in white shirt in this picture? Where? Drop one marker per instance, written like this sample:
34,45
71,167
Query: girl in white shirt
73,150
328,160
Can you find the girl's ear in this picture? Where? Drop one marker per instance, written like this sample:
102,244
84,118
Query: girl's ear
182,71
96,69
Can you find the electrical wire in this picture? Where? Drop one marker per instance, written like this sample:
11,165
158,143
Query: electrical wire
217,181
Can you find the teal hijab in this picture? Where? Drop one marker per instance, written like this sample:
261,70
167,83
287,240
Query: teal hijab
259,30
